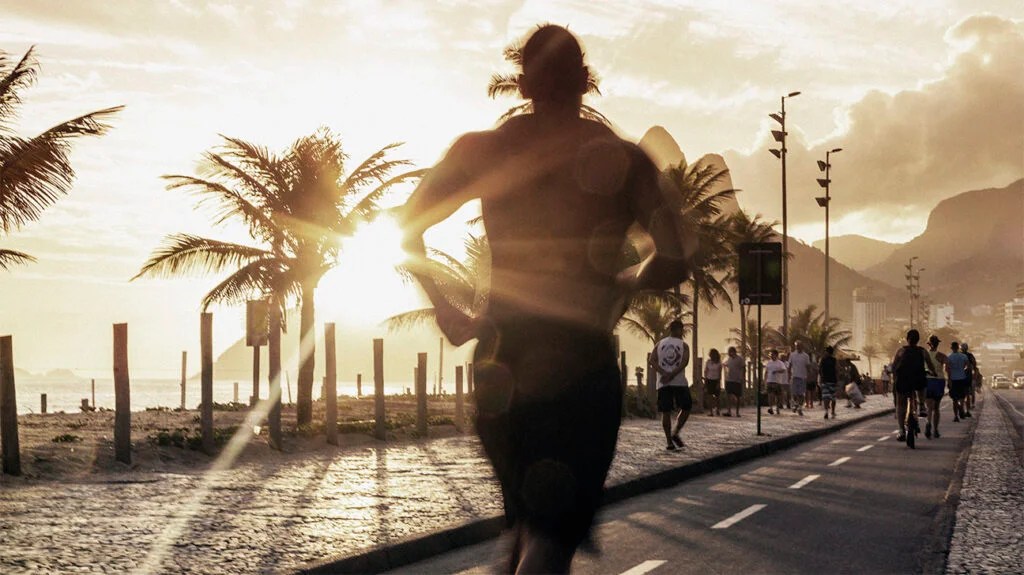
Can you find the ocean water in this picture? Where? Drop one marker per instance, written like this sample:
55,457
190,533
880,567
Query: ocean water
67,395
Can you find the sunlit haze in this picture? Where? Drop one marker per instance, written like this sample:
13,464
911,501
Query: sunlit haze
925,98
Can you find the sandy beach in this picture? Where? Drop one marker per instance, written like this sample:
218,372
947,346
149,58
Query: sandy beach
70,446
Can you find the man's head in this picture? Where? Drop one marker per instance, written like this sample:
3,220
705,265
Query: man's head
798,345
774,354
954,346
933,341
676,328
829,350
553,69
913,336
963,347
731,352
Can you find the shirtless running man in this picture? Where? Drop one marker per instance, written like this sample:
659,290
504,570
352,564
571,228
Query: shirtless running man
558,194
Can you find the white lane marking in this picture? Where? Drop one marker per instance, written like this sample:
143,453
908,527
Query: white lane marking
883,438
866,447
804,481
726,523
839,461
645,567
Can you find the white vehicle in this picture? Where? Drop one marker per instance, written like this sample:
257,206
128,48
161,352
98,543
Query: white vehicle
1000,381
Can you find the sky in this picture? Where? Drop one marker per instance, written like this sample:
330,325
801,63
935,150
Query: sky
925,98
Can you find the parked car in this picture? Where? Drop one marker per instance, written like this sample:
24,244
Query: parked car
1000,381
1019,383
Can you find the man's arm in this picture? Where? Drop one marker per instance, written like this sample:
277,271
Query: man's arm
444,190
660,215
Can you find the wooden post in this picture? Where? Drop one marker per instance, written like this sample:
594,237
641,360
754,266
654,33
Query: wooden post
42,402
184,362
206,379
8,409
255,397
469,376
359,385
640,391
421,394
440,366
459,411
623,379
94,394
122,396
652,386
378,389
274,367
331,384
235,397
288,384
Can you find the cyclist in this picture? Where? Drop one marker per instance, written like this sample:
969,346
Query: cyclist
909,366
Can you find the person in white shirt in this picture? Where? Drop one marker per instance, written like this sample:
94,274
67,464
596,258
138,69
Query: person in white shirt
713,382
774,374
735,375
799,364
670,357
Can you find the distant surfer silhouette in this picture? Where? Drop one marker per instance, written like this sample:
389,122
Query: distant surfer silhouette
558,194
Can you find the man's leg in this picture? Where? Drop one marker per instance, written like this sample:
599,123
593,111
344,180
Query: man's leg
666,424
901,413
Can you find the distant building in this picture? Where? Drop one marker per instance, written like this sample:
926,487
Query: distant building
1013,319
940,315
868,315
983,310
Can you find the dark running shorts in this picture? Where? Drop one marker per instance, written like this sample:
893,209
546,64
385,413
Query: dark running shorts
673,397
713,387
958,388
935,388
549,405
734,388
774,387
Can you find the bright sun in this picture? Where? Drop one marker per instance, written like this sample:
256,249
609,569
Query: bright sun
364,287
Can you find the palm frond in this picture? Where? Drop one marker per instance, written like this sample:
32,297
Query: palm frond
503,85
259,160
183,254
248,282
368,205
410,319
20,76
35,172
11,258
227,204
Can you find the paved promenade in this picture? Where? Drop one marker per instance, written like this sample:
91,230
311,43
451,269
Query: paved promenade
285,513
988,536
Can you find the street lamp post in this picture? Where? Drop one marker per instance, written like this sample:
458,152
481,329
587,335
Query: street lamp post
917,296
824,202
910,286
780,137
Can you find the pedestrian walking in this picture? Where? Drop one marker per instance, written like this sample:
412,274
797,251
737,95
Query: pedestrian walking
972,368
558,193
935,387
799,363
886,379
670,357
959,384
828,379
812,382
713,382
735,376
774,372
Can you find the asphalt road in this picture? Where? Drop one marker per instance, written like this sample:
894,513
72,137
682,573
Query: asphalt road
855,502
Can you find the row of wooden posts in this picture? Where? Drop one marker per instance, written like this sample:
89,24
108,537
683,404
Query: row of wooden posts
122,392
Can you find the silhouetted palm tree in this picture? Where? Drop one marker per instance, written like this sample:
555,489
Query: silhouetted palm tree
695,187
508,85
465,285
296,206
650,313
809,325
34,172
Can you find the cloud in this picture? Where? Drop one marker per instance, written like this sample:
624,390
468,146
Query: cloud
913,148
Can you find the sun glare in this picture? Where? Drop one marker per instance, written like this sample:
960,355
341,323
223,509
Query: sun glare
365,287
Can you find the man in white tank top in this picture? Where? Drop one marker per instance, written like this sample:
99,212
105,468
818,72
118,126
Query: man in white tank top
670,357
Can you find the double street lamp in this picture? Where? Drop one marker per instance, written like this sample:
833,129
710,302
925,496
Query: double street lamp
824,202
912,284
780,137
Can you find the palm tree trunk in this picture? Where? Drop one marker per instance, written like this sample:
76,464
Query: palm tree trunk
274,368
307,355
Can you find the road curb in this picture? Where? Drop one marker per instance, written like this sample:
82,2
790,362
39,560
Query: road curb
1016,419
420,547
